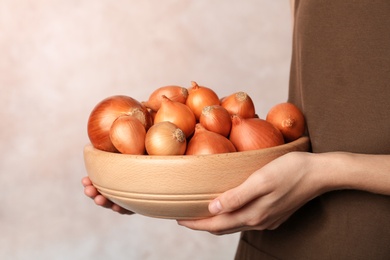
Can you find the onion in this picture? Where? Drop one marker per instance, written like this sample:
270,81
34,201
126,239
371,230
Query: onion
289,119
254,133
165,138
127,134
199,97
207,142
239,103
174,93
104,114
216,119
177,113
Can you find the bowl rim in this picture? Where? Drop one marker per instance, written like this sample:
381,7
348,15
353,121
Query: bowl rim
296,143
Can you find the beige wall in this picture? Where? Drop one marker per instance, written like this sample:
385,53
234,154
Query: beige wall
58,58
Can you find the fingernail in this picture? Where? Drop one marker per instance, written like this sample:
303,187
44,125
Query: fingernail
215,207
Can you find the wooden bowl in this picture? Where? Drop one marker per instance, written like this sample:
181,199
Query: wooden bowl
175,187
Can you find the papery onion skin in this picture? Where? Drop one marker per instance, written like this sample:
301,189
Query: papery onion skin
127,134
217,119
289,119
207,142
152,114
239,103
253,134
106,112
177,113
200,97
165,138
173,92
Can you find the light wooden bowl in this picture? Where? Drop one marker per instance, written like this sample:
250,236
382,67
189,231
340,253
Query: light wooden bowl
175,187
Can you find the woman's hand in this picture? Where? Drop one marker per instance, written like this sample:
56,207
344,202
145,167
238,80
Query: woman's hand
99,199
265,200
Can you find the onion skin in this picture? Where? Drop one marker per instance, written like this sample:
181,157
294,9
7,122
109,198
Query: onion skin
152,114
216,119
174,93
200,97
289,119
177,113
239,103
127,134
207,142
165,138
253,134
106,112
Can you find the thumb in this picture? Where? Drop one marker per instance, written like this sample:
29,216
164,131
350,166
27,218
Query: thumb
237,197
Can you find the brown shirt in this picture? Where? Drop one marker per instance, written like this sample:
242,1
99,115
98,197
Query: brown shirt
340,78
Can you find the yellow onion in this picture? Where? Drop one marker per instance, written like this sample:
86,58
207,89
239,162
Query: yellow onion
177,113
127,134
239,103
199,97
165,138
217,119
174,93
289,119
254,133
207,142
106,112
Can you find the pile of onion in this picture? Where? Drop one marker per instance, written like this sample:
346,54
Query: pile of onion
190,121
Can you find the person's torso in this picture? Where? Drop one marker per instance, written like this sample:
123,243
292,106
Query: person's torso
340,78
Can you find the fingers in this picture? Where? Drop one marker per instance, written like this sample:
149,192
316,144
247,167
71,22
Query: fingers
232,209
94,194
254,187
230,223
221,224
121,210
91,191
100,200
86,181
217,225
251,217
